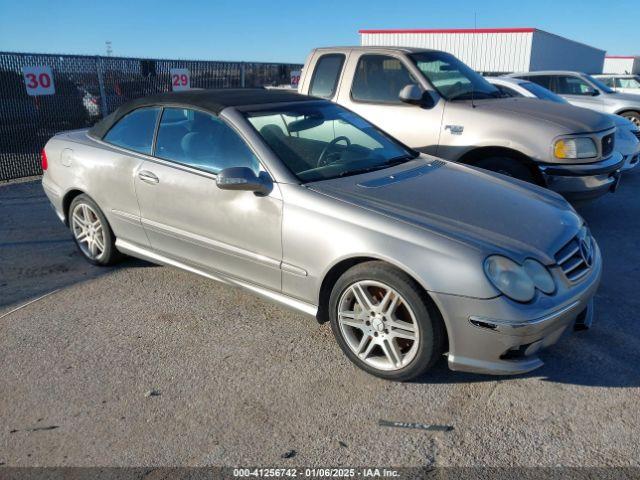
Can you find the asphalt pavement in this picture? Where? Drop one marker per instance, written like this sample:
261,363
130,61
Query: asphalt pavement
141,365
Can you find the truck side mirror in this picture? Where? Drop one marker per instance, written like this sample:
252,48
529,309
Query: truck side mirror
414,95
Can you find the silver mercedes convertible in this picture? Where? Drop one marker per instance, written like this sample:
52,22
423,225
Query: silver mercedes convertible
302,201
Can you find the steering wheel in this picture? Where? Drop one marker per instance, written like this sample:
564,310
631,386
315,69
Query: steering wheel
327,151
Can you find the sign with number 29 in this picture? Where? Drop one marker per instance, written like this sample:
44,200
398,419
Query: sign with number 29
38,80
180,79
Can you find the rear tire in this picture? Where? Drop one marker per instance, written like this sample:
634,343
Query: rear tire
510,167
91,232
384,322
633,117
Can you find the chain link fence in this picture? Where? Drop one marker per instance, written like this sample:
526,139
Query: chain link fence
88,88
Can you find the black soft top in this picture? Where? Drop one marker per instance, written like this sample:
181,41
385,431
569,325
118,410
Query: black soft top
213,101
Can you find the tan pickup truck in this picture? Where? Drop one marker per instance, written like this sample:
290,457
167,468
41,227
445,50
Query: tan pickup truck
436,104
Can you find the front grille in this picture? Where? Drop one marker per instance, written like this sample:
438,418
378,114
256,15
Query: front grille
607,144
636,133
576,257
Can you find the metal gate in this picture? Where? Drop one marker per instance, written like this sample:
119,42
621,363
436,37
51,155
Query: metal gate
88,88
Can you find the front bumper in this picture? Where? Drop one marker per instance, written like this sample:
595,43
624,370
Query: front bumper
501,337
584,181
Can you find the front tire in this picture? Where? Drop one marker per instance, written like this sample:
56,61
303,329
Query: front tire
384,323
507,166
91,232
633,117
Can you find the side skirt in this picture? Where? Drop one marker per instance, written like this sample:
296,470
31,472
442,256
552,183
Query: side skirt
154,257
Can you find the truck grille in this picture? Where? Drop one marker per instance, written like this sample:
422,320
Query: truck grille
576,257
607,145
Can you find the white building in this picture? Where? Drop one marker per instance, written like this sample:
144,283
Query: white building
497,50
621,64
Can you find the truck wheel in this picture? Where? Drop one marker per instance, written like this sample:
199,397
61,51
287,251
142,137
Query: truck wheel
510,167
91,232
633,117
383,322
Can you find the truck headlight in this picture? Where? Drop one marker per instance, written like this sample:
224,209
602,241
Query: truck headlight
518,282
572,148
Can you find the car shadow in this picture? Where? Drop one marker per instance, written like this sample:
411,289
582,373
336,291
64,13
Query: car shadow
37,252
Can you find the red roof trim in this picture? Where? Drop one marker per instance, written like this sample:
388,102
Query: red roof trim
621,56
454,30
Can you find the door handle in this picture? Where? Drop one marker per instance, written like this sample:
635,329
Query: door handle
148,177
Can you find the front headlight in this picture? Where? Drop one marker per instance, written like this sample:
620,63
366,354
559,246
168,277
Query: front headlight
573,148
516,281
539,275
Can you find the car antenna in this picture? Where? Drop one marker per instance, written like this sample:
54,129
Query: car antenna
473,52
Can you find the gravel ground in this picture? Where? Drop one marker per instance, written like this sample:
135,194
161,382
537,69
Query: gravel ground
144,365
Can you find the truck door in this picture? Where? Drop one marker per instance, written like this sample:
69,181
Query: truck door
371,87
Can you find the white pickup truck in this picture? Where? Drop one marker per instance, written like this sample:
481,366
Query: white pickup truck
434,103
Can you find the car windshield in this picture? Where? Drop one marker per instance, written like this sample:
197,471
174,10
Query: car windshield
599,84
453,79
542,93
320,141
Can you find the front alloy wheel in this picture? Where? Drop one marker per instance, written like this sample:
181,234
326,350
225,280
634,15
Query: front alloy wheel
378,325
385,322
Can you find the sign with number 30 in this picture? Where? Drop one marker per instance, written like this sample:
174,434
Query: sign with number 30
180,79
38,80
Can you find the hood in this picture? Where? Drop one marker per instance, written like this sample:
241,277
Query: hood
568,117
489,211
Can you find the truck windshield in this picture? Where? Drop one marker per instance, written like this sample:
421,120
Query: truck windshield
321,140
452,78
599,84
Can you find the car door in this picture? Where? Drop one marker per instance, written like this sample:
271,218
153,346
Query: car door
579,92
374,94
189,219
130,142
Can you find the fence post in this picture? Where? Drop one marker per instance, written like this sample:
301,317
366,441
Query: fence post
103,94
242,70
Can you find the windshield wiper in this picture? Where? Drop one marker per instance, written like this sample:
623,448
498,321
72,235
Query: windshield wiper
348,173
400,159
389,163
474,94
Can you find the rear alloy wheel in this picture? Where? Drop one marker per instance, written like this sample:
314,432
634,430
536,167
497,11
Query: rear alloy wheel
381,321
91,232
633,117
510,167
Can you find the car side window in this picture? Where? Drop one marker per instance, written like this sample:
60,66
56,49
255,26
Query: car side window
326,75
627,83
608,81
545,81
135,130
568,85
508,91
379,79
201,140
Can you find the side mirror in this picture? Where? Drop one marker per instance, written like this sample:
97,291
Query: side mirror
595,93
243,178
414,95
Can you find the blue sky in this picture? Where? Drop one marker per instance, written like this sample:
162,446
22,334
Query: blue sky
284,31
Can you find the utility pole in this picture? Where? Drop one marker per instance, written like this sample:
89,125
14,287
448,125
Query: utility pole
109,49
